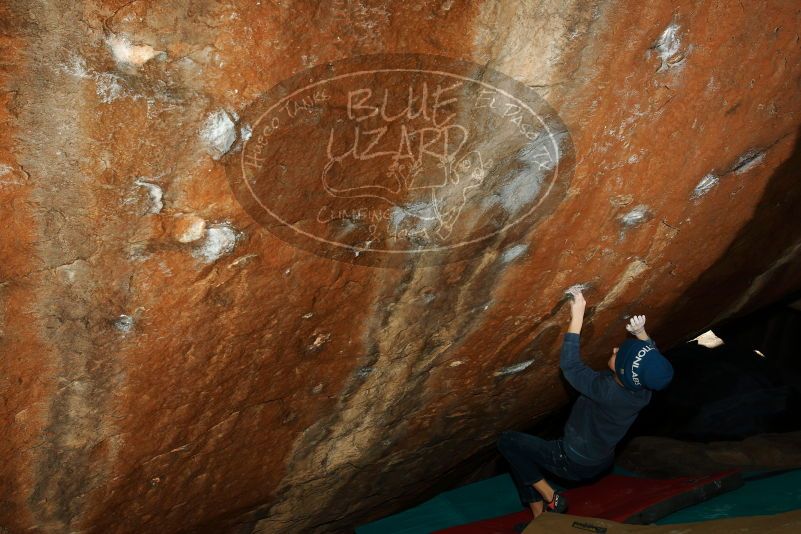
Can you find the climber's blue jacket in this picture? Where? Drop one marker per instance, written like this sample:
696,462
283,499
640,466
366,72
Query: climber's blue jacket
602,414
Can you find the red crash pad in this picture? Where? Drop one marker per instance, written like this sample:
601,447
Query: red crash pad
621,498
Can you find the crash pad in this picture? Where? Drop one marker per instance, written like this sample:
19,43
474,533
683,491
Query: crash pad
644,500
786,523
620,498
764,493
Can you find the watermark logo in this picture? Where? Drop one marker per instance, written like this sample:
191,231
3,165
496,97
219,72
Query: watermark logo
390,158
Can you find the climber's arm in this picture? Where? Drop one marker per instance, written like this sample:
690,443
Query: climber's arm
577,306
585,380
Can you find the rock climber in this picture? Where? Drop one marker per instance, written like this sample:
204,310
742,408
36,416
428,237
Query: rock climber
601,416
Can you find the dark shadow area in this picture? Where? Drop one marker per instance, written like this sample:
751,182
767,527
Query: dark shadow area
731,392
761,264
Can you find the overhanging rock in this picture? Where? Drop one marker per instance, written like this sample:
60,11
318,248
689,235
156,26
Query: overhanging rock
173,360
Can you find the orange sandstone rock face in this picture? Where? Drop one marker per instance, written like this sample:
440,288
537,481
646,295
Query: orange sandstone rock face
174,359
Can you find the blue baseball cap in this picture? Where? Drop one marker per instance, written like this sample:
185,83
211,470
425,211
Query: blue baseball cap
640,365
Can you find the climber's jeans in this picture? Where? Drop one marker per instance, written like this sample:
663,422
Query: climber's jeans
529,456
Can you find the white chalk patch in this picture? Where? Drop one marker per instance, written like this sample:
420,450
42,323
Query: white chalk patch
457,363
512,369
156,196
397,216
245,132
76,67
668,46
577,287
748,161
124,323
127,53
108,86
669,42
218,133
423,213
512,253
308,315
636,216
520,191
706,184
539,158
708,339
220,240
